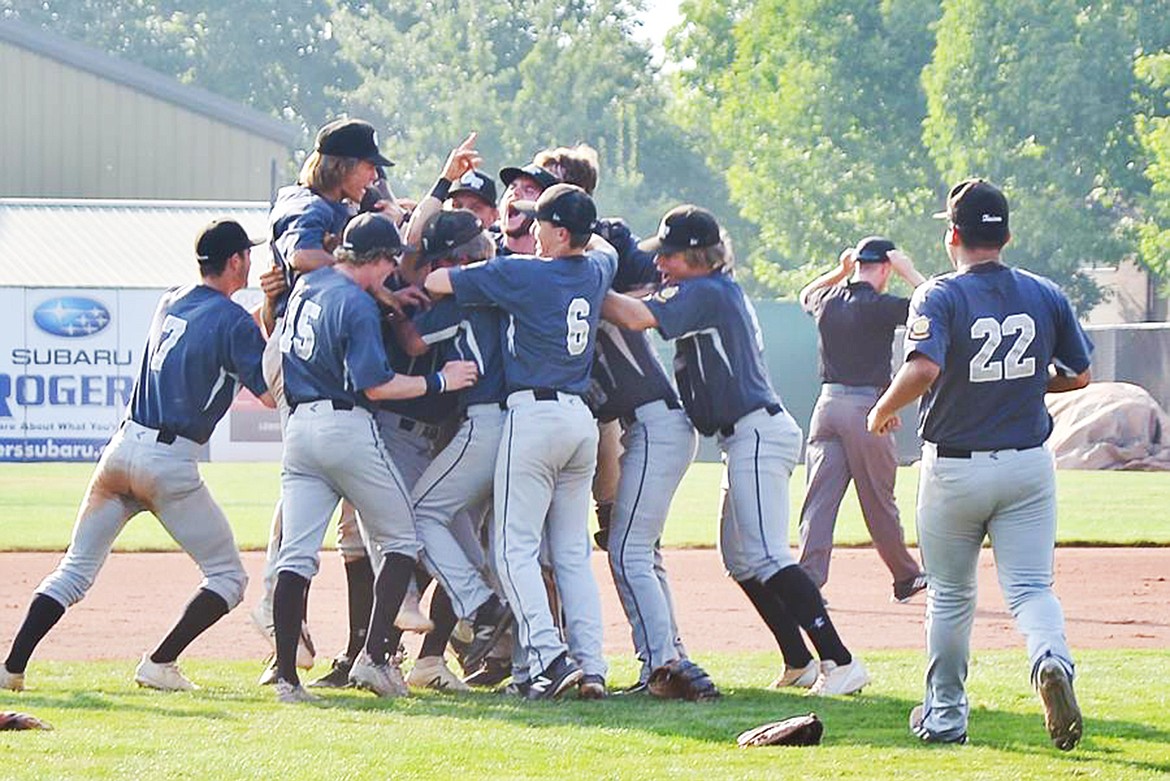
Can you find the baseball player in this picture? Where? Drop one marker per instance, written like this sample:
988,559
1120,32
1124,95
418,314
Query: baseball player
855,326
548,448
200,345
640,466
334,369
984,344
724,386
523,183
305,223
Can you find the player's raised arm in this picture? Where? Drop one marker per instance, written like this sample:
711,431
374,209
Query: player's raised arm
627,312
835,276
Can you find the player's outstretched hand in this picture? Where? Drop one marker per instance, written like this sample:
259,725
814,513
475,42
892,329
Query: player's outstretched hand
460,374
462,159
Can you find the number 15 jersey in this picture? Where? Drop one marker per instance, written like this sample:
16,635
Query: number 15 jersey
993,331
552,309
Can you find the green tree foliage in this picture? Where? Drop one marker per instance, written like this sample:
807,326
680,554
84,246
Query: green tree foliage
814,109
278,56
1153,129
1038,95
525,75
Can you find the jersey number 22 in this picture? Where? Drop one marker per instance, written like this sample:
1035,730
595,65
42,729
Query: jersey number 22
1014,365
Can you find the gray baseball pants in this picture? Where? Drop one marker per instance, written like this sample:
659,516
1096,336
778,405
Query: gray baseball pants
544,469
658,445
137,472
840,449
1009,496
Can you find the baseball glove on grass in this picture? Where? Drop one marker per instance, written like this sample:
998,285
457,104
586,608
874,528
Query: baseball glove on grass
796,731
682,680
13,720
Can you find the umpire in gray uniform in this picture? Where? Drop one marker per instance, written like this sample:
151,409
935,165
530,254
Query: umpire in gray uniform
855,319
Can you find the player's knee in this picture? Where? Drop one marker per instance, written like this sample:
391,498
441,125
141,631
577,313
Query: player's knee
230,586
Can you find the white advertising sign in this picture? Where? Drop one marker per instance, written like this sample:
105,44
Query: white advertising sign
68,359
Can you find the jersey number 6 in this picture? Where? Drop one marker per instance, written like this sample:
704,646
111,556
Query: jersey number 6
578,337
1013,366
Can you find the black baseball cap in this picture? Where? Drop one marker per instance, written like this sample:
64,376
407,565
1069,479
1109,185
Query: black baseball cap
565,206
478,184
544,177
873,249
222,239
371,231
978,209
447,230
351,138
684,227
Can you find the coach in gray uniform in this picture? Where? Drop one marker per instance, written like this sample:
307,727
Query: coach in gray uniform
855,325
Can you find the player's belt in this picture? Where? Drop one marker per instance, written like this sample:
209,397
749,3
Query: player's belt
771,409
957,452
428,430
643,409
337,404
838,388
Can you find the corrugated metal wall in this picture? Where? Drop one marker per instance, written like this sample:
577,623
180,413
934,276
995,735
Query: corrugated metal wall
69,133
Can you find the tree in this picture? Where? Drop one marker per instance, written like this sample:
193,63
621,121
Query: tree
814,109
1153,129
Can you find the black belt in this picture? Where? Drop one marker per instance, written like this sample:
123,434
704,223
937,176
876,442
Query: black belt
631,417
166,436
771,409
428,430
339,405
957,452
549,394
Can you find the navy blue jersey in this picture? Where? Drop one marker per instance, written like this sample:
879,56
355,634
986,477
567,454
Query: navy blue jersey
299,220
626,373
332,341
201,344
719,355
855,325
430,408
993,331
551,311
473,333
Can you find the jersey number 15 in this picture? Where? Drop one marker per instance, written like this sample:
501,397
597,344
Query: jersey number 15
1014,365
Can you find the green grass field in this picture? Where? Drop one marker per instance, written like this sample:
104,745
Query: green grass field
39,501
106,728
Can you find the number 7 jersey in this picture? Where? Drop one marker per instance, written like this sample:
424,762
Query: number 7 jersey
201,344
993,331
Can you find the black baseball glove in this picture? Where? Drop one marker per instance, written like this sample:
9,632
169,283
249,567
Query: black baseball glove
11,720
796,731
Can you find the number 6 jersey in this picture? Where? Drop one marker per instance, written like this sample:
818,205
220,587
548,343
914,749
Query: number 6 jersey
993,331
201,344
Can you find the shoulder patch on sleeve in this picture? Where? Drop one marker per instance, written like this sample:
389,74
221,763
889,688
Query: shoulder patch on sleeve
919,329
666,293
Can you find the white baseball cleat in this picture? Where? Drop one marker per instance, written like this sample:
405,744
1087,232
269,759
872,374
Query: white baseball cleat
432,672
384,680
840,679
291,693
410,617
11,681
797,677
164,676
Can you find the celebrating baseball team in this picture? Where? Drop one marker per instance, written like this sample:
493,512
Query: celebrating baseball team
463,375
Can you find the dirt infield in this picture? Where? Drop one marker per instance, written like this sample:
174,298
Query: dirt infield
1113,598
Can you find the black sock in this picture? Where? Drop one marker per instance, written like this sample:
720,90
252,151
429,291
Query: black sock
389,589
359,588
43,614
445,619
780,621
204,609
800,595
288,613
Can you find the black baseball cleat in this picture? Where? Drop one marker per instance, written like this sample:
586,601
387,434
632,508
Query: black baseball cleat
552,682
591,687
493,672
337,677
904,589
492,619
639,687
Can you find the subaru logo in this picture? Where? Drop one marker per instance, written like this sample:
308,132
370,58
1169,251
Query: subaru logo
71,316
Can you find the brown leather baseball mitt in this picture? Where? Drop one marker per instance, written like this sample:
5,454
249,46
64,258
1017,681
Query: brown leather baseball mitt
682,680
14,720
796,731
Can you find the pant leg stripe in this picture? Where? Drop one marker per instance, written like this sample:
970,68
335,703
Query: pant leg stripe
450,469
759,498
625,541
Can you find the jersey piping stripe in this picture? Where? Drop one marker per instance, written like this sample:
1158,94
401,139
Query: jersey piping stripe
442,335
219,383
618,340
516,611
625,541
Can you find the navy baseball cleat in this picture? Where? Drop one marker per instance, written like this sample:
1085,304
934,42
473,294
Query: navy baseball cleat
1062,715
492,674
338,675
492,619
562,674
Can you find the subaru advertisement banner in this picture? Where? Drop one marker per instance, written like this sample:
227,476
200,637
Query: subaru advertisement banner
68,359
